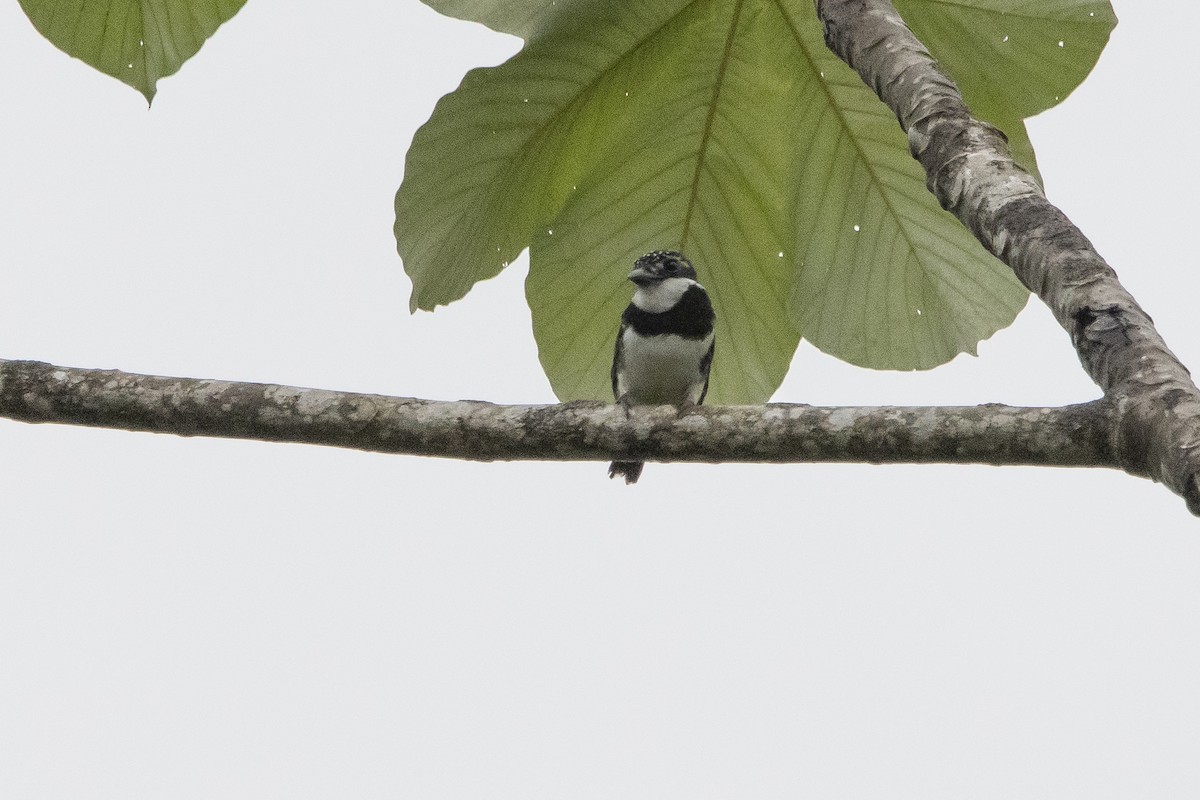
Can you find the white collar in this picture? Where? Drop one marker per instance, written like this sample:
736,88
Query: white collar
662,295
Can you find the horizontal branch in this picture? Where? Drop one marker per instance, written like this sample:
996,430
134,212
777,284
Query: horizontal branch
1072,436
971,172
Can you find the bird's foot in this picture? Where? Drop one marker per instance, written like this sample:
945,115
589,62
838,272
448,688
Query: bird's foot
625,403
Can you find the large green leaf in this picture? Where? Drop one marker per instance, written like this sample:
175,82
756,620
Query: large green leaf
684,169
724,128
135,41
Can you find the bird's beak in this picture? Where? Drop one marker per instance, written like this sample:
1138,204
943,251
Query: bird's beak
642,277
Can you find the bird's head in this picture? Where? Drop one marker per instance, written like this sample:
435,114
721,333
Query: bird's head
654,268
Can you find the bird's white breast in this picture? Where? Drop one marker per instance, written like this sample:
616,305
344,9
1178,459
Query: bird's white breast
662,369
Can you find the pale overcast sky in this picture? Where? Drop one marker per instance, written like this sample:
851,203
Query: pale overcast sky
216,619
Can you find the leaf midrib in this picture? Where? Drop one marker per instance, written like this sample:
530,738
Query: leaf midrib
706,134
858,147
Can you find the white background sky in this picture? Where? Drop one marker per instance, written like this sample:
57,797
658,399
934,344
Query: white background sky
213,619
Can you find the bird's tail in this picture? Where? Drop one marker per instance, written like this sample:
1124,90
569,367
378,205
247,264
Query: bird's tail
629,470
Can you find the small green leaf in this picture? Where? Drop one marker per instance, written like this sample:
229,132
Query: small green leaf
1012,58
135,41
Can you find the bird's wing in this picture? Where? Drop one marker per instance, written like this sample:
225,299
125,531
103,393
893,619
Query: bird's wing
706,368
618,356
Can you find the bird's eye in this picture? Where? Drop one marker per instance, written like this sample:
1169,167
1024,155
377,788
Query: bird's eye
671,268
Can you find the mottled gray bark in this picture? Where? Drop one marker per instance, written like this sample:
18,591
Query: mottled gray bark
1073,436
1156,405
